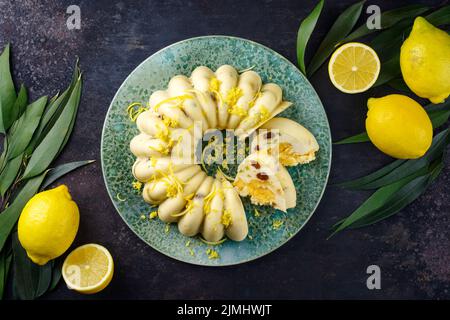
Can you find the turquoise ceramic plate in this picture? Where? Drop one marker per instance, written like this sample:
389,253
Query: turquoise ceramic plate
270,229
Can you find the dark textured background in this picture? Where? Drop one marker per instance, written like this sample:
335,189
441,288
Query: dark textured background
412,248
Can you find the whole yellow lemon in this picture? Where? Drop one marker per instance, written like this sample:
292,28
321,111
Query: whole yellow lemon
48,224
399,126
425,61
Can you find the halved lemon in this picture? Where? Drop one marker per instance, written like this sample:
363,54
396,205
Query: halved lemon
88,269
354,67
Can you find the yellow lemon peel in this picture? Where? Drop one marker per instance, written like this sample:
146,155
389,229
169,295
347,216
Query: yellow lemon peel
226,219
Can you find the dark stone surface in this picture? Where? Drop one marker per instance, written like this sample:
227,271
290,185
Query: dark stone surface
412,248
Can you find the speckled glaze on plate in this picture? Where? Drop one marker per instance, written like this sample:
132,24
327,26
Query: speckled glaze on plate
271,228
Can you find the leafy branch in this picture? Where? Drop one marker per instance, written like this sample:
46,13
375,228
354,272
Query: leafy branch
34,135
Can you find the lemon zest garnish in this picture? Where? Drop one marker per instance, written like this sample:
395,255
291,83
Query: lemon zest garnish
212,254
247,69
153,161
226,176
167,228
276,224
214,84
133,113
238,111
233,96
162,134
251,103
226,219
137,185
153,215
173,184
118,197
188,243
198,94
163,149
143,217
207,200
225,164
169,122
213,243
189,206
178,99
264,114
257,214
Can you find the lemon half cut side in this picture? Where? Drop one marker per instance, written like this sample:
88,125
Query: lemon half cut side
88,269
354,67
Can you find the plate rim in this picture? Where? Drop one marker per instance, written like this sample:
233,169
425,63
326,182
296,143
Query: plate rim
252,258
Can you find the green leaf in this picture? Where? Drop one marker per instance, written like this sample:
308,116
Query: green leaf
43,276
360,137
29,279
399,84
23,278
21,102
389,71
7,92
56,273
5,263
440,106
52,112
356,183
439,117
61,170
47,115
404,169
388,19
3,155
404,196
304,33
392,36
374,202
439,17
72,124
10,215
23,129
9,174
48,149
340,29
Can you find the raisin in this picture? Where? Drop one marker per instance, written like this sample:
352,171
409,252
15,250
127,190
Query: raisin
262,176
256,165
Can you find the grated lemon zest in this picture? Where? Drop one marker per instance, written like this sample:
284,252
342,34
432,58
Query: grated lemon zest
214,84
246,69
213,243
233,96
238,111
179,99
137,185
212,254
276,224
119,197
133,113
226,219
189,206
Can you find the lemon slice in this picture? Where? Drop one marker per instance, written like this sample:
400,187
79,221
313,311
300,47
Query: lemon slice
88,269
354,67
